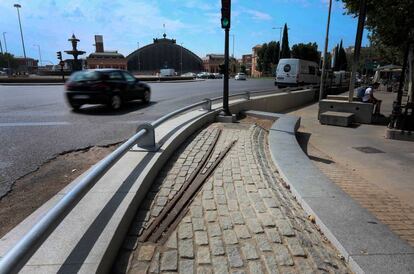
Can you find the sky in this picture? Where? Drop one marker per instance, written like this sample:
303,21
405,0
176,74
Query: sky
194,23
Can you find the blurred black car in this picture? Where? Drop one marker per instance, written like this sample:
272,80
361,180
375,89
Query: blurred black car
111,87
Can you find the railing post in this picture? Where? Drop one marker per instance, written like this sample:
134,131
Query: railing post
207,105
147,141
247,95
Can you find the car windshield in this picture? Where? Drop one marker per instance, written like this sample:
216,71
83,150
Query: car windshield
82,76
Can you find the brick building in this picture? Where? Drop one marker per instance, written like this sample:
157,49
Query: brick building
247,61
212,61
26,63
105,59
255,72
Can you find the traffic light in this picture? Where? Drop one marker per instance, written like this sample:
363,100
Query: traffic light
221,69
59,55
225,13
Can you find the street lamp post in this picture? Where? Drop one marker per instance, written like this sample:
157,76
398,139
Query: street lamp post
280,39
232,35
139,66
181,62
40,54
322,83
8,57
18,6
5,42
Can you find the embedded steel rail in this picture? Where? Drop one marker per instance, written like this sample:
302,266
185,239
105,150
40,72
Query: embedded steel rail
17,257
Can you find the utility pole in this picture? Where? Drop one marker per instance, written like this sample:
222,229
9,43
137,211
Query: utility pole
322,83
357,48
225,24
18,6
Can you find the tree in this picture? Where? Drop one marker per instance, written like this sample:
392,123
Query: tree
307,51
268,57
391,21
391,24
342,63
285,43
336,58
243,68
6,60
260,56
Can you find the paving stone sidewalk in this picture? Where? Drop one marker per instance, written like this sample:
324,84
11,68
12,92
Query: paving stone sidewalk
389,209
243,220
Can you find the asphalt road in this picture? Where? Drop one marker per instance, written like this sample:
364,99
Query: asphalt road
36,124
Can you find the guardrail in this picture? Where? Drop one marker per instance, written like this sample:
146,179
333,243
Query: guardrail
17,257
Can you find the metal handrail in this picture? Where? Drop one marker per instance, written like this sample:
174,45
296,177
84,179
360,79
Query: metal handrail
16,257
166,117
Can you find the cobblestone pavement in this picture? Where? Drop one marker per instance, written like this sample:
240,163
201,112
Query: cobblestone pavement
387,208
243,220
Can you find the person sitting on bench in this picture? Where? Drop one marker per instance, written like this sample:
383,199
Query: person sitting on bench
369,98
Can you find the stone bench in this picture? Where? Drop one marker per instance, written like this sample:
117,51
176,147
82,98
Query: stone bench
343,119
342,98
362,111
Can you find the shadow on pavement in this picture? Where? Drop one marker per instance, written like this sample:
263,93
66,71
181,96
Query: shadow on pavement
102,110
303,140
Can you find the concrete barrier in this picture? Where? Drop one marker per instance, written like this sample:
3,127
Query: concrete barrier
363,111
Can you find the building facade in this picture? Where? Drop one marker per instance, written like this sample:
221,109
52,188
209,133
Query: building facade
212,61
254,71
105,59
163,53
29,64
247,62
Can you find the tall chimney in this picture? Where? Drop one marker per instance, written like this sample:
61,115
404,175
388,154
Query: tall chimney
99,43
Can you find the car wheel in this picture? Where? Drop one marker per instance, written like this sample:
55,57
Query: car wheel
116,102
75,106
147,96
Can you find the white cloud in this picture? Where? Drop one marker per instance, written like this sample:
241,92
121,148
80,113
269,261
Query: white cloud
258,15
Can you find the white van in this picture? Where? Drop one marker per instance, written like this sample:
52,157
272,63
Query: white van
341,78
296,72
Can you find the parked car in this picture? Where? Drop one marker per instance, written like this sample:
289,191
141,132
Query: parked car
203,75
218,76
240,76
111,87
189,74
296,72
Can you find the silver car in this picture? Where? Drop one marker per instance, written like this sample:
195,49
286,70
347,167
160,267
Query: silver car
240,76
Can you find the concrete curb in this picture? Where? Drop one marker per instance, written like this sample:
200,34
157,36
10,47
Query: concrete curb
366,244
61,84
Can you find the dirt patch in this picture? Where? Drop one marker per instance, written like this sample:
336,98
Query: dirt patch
263,123
34,189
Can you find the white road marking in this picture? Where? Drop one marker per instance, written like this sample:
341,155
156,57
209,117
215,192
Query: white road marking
28,124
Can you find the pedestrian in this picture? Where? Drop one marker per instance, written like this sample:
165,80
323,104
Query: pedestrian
370,98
